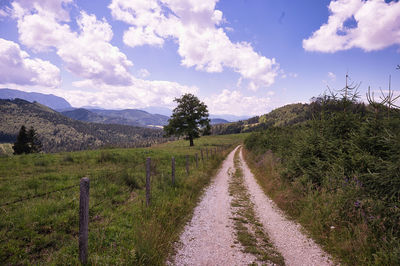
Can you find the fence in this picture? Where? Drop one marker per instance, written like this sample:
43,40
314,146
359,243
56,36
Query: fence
85,193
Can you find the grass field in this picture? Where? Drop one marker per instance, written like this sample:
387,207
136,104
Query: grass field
122,230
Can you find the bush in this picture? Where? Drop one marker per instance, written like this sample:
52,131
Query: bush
348,157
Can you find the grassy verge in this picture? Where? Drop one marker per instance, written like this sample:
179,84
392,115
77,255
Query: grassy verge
122,230
319,212
249,231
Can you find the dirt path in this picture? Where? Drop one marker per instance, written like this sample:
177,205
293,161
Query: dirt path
210,239
295,247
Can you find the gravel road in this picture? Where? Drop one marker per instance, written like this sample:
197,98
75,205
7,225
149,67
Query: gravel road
295,247
209,238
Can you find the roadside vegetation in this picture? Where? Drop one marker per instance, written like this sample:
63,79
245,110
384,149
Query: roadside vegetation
338,174
122,230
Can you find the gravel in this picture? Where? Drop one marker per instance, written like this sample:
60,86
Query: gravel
286,235
209,238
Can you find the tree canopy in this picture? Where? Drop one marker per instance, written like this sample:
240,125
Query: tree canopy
27,142
189,118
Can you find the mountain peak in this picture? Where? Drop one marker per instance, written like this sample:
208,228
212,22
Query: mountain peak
50,100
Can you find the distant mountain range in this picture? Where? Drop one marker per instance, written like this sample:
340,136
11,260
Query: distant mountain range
148,117
129,117
50,100
60,133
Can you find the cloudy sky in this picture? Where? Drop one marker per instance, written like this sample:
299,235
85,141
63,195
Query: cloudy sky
242,57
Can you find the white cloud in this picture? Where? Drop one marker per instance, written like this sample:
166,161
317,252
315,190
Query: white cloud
86,53
143,73
194,25
234,102
17,67
284,75
376,25
141,93
52,8
332,76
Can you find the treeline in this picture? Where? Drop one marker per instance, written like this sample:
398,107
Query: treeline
287,115
344,164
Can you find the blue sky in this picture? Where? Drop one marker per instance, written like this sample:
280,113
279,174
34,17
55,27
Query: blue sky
242,57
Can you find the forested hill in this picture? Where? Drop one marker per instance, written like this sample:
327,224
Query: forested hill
286,115
60,133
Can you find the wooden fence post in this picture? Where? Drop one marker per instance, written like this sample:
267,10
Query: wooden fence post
187,164
207,153
83,219
173,170
148,164
201,152
197,161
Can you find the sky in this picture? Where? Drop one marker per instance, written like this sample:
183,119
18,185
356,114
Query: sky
241,57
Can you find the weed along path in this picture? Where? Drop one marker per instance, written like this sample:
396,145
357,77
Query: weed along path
235,223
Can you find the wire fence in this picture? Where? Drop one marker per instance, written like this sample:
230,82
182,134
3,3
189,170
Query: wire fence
186,162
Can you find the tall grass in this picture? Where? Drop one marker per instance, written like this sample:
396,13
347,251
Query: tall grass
122,230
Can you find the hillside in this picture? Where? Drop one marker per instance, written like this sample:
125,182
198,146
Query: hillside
60,133
133,117
85,115
283,116
50,100
216,121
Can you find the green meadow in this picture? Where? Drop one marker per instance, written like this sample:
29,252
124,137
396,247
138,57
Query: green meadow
42,227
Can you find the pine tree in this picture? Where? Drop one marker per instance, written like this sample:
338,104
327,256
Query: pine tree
27,142
34,143
21,145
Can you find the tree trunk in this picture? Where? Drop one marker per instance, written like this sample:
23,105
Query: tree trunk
191,141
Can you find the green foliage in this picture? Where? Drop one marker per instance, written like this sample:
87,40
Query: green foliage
347,158
122,230
283,116
27,142
189,118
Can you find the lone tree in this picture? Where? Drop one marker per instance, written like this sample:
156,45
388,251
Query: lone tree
189,118
27,142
